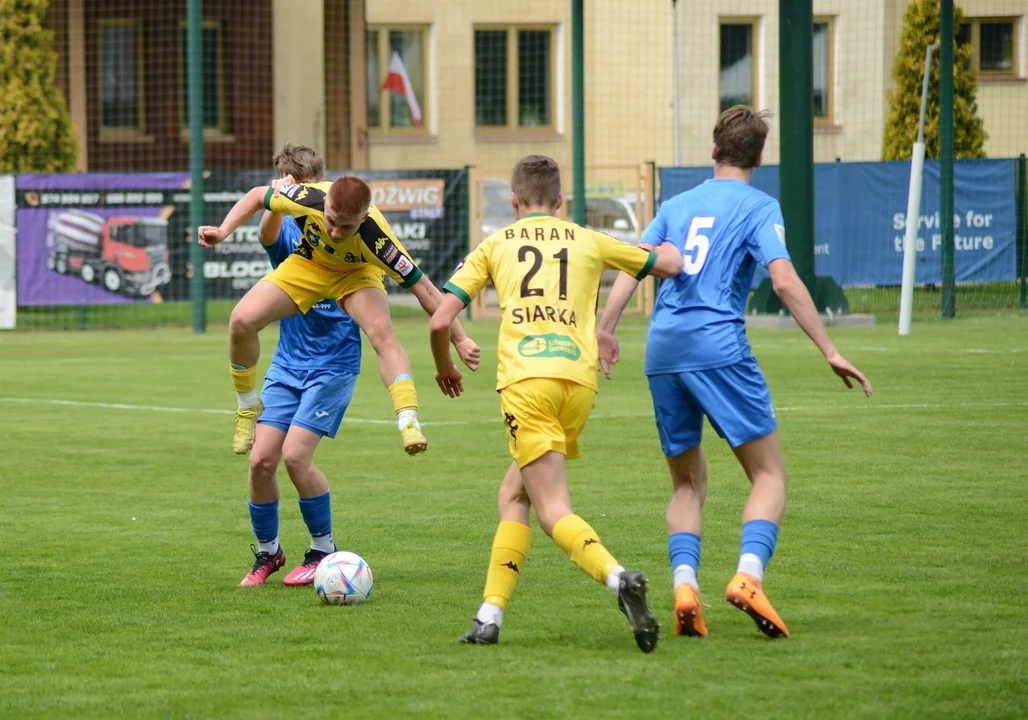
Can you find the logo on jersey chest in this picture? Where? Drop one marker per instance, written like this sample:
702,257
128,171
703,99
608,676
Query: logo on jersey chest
351,258
544,312
550,345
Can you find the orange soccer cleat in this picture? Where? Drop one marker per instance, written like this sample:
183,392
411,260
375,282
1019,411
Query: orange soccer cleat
746,593
688,612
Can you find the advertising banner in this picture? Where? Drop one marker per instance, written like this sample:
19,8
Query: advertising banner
101,238
98,238
860,216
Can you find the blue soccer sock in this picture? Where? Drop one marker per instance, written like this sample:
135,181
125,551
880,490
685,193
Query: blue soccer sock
317,514
684,550
757,546
264,520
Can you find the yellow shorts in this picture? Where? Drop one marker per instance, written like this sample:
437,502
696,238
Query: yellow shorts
306,282
544,414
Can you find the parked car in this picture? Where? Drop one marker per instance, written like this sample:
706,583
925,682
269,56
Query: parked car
614,216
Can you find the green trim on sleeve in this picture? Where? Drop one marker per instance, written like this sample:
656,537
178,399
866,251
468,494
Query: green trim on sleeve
267,198
413,279
454,290
650,262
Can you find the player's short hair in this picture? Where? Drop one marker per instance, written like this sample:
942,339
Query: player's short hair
350,196
305,164
739,136
536,181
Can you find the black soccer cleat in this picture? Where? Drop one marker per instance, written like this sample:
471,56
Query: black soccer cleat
632,602
481,634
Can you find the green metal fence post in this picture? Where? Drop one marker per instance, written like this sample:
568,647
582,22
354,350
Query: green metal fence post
194,48
1021,203
949,300
578,110
796,109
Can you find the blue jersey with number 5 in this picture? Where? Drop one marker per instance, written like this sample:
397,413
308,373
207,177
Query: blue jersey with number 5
723,228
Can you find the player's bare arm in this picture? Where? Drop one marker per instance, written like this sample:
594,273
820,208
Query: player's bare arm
446,373
794,295
430,298
209,236
669,263
271,222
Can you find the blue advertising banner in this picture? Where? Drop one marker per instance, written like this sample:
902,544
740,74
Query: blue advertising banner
860,216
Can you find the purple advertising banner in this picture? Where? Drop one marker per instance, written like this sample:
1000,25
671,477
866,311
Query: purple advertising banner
99,238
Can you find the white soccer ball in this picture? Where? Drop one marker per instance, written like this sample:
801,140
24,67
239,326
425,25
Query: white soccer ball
343,578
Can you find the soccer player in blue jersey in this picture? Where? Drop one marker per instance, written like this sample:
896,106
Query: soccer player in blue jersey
306,392
699,363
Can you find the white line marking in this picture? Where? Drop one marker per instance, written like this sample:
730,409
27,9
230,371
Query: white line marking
160,408
606,416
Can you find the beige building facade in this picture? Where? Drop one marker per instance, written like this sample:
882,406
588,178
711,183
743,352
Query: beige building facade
493,78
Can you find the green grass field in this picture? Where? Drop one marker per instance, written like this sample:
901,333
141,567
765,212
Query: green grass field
900,570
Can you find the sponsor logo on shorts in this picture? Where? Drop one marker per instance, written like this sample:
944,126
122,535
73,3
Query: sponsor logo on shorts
550,345
320,413
512,426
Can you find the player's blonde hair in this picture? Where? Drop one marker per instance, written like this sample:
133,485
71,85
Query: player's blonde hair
350,196
536,181
305,164
739,136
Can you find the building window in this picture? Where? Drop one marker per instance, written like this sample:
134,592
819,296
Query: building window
121,75
824,70
737,80
213,77
515,71
392,52
994,44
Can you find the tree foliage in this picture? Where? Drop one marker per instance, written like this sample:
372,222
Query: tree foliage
36,134
920,28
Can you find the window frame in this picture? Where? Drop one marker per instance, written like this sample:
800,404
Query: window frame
513,126
976,46
385,128
215,131
829,119
122,134
753,21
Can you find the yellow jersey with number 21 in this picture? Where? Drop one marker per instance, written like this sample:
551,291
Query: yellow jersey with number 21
547,275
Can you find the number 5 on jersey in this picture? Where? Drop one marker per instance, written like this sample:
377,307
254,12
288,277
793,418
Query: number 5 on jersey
696,245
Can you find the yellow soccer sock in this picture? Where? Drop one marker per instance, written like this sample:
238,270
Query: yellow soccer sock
404,396
581,543
244,380
510,546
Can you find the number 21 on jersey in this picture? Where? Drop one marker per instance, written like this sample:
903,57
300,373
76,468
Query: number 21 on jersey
697,245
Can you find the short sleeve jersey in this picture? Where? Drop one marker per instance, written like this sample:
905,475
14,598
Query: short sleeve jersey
547,275
723,228
374,244
325,338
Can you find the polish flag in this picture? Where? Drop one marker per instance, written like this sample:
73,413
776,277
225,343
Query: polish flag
398,82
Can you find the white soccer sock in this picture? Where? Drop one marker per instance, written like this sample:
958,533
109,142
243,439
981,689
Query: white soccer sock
686,574
614,579
405,416
247,400
269,547
323,543
489,613
751,565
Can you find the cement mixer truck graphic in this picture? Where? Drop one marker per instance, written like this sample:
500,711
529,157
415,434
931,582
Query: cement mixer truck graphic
126,255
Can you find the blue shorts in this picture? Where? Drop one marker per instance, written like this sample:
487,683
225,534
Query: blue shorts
734,397
312,399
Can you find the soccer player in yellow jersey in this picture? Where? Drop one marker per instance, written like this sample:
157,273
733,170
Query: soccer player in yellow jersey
547,273
346,246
